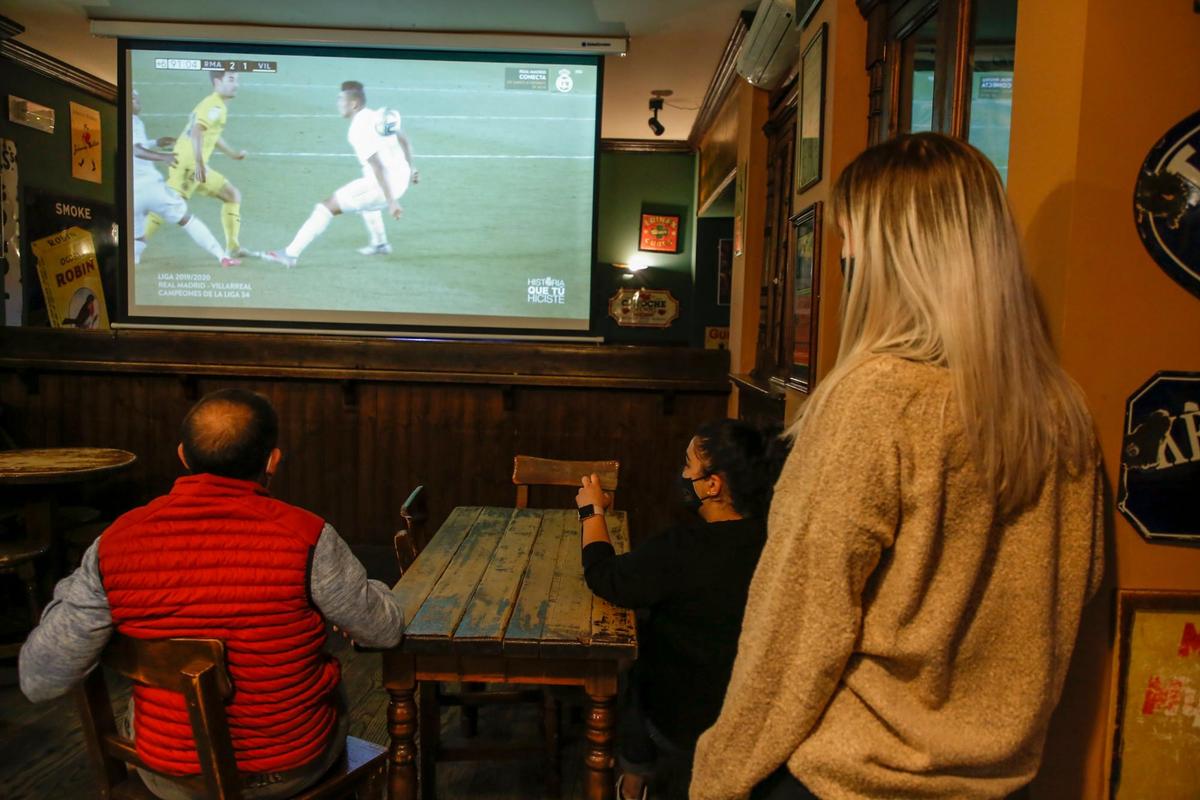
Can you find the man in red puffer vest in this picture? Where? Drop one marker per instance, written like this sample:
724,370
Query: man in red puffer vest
220,558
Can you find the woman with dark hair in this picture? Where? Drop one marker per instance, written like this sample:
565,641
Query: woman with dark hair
693,580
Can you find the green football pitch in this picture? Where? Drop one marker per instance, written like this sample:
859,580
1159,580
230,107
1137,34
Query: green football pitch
504,198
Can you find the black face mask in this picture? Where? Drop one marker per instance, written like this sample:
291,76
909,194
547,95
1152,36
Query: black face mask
687,492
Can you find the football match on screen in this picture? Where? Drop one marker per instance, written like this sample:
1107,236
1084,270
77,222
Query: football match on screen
350,189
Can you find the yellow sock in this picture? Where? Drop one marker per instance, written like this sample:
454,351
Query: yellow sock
231,221
153,223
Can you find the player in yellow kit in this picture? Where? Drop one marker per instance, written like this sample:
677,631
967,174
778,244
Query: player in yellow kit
193,149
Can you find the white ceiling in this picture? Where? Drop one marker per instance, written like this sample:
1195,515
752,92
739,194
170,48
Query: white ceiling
674,44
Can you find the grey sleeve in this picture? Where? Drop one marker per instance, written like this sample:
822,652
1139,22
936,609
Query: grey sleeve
364,608
75,627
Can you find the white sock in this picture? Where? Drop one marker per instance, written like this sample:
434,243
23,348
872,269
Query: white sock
313,227
374,222
202,236
139,247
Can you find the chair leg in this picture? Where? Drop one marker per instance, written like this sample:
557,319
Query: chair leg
551,715
470,714
28,577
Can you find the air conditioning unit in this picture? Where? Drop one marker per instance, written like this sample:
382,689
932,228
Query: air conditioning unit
769,51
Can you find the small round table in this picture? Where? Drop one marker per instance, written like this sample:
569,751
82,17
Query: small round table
37,472
51,465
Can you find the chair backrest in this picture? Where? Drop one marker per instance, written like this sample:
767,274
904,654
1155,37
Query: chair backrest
533,471
193,667
410,540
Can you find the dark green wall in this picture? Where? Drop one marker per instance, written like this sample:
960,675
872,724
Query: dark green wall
44,159
658,183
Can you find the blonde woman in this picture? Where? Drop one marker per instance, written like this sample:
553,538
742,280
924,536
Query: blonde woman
937,528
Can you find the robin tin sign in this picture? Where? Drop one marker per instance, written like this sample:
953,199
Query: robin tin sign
1160,458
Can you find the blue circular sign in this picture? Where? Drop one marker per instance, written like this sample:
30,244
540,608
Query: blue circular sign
1166,203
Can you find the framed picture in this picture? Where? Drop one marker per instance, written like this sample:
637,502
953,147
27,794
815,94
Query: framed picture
1156,741
804,280
804,12
811,119
724,271
660,233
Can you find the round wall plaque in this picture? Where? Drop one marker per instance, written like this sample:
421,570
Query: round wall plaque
1166,203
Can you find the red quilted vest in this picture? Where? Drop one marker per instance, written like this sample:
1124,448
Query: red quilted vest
219,558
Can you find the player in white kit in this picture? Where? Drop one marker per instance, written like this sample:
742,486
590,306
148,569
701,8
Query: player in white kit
152,195
386,158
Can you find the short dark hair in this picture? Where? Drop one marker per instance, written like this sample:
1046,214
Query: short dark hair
218,74
231,433
355,90
748,457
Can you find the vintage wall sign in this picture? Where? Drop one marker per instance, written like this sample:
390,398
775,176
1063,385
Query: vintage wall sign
716,337
1166,203
660,233
70,275
1155,736
643,308
1160,458
10,235
85,143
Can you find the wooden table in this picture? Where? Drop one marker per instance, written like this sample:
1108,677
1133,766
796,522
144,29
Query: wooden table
498,596
35,470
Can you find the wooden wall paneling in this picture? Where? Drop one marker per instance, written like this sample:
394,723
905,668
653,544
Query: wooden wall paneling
354,463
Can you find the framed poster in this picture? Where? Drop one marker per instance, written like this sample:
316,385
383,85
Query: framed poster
660,233
1156,741
85,143
811,119
724,271
804,279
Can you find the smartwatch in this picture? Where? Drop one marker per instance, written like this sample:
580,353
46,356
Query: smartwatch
586,512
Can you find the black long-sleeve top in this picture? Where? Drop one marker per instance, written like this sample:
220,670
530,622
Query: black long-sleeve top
694,580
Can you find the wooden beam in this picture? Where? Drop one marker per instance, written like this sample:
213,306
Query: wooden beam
49,66
724,79
10,28
646,146
346,358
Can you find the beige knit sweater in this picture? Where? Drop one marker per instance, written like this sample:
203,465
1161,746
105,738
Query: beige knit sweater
900,641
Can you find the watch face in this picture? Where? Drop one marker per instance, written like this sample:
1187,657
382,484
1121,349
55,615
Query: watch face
586,511
1166,204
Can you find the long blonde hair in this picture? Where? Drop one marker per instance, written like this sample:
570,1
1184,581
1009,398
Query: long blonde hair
937,277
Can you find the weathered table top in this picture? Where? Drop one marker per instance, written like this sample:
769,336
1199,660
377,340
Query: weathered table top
60,464
509,582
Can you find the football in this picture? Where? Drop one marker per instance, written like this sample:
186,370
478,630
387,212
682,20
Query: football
388,123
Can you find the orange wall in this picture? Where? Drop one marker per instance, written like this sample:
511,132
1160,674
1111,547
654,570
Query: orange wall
1096,85
747,268
846,85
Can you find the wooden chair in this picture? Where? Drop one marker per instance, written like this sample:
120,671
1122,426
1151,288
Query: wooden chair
17,558
533,471
411,539
196,669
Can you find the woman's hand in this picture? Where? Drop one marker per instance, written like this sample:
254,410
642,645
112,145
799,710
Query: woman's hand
591,493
